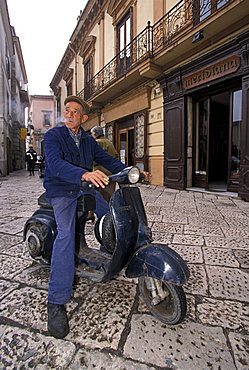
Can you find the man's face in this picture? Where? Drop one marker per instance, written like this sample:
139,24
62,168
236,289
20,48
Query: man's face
74,115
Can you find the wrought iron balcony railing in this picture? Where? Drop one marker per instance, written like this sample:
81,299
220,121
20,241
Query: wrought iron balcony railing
185,15
133,53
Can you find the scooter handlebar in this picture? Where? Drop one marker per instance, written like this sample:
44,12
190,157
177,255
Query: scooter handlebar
129,175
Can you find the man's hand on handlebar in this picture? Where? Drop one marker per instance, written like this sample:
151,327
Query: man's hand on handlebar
97,178
145,176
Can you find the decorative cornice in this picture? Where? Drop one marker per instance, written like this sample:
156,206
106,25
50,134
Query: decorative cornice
68,75
88,46
116,7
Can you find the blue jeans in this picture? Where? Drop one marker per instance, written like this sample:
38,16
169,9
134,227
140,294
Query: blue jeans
62,263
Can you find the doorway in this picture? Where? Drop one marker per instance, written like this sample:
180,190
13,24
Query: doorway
126,146
214,146
218,141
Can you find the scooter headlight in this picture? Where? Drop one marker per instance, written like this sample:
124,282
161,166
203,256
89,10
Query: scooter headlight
134,175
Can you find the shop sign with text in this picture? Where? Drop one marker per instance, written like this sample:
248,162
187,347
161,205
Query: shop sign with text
212,72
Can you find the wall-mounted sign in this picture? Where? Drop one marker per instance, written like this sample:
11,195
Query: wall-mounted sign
23,133
212,72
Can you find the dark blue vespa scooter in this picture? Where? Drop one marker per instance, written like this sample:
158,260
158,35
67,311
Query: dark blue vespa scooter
126,243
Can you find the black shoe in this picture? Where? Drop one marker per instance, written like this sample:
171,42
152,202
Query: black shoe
57,320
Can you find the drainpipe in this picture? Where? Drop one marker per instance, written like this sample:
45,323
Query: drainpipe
75,66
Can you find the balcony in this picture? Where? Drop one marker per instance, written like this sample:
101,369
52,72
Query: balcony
161,46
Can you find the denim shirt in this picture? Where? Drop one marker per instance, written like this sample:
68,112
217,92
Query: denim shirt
66,163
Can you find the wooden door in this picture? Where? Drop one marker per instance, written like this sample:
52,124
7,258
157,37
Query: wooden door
174,144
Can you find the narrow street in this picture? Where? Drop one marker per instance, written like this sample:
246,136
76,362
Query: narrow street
110,327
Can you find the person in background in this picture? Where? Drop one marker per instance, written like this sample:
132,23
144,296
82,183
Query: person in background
31,158
69,155
98,134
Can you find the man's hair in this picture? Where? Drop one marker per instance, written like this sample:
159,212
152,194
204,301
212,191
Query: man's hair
97,131
78,100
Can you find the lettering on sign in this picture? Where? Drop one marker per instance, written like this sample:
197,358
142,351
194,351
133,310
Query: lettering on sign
212,72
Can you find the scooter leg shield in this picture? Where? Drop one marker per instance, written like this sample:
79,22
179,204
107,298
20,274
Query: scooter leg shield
158,261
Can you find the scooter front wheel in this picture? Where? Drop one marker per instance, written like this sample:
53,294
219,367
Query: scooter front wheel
105,232
167,302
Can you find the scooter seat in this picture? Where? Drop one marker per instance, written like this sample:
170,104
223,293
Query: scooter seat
42,202
84,203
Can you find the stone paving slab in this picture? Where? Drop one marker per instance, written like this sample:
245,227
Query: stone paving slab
85,360
12,266
189,253
13,227
220,257
7,241
6,287
226,314
188,346
240,345
197,283
106,308
22,349
227,242
167,227
203,230
188,239
228,283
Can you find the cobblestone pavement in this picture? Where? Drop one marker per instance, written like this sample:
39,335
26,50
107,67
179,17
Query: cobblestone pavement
110,327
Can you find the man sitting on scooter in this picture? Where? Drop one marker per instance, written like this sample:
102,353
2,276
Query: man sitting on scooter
70,153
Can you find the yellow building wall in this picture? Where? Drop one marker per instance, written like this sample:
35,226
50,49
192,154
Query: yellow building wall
156,136
96,64
109,39
80,74
158,9
169,4
144,14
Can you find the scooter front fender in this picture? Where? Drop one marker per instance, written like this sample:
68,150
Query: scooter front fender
160,262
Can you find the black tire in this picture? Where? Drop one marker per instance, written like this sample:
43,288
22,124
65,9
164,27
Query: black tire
172,310
97,232
108,234
35,240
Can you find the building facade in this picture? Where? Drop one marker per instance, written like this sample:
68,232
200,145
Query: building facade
169,82
42,117
14,98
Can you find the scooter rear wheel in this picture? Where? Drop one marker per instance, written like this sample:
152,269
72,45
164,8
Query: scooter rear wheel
170,310
34,241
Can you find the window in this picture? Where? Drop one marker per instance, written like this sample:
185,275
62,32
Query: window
7,67
124,37
87,79
47,118
70,88
207,7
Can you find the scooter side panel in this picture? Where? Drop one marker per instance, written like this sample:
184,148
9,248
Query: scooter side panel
158,261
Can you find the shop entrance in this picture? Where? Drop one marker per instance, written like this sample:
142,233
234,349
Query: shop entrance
126,146
217,141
